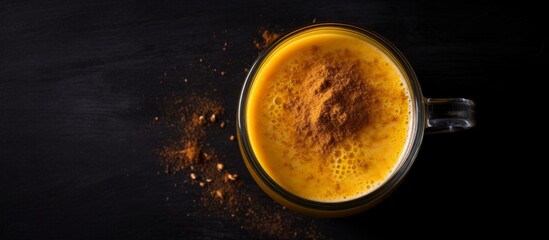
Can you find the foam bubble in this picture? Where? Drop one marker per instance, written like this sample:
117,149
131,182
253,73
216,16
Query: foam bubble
278,100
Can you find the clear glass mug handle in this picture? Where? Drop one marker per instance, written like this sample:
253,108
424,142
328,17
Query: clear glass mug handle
449,114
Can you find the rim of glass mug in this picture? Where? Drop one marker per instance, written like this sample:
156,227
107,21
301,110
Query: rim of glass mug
435,115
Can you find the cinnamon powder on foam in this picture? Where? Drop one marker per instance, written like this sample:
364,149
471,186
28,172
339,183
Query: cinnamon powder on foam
334,102
223,192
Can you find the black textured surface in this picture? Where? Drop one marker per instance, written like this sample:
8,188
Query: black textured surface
80,84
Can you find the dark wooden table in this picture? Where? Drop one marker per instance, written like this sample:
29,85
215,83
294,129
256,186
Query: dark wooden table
81,82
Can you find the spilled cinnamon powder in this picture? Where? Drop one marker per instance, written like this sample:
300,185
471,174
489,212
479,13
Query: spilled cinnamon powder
186,149
221,189
333,104
268,37
196,122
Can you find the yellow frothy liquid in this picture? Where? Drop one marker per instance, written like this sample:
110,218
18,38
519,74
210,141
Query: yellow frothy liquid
353,167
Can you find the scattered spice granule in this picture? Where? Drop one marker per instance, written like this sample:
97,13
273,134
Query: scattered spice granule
201,120
212,118
231,138
219,167
232,177
222,125
219,194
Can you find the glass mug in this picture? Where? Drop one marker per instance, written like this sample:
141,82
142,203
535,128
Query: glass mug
426,115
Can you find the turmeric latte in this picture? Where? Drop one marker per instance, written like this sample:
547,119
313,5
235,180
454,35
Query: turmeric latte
328,115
